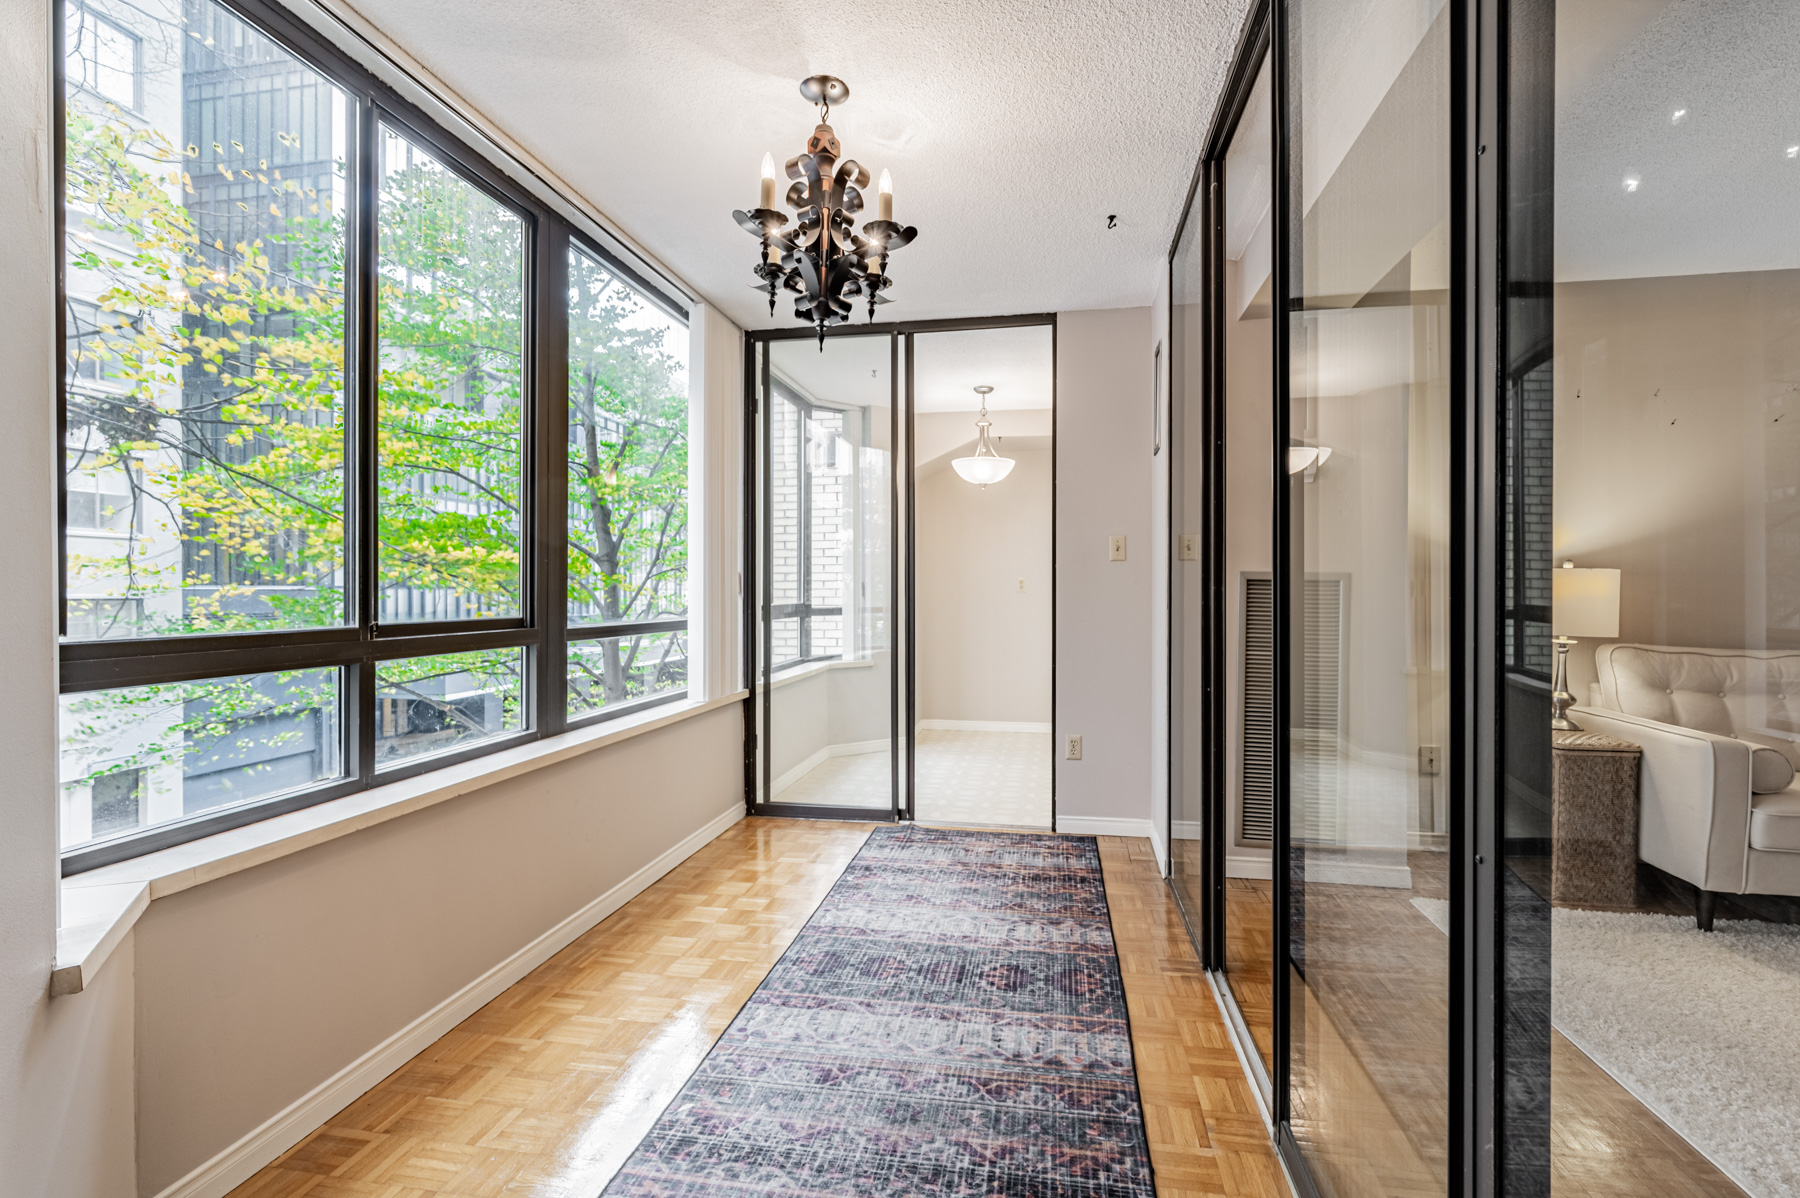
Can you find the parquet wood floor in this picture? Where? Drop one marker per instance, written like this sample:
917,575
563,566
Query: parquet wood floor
1604,1142
1249,951
1206,1137
548,1088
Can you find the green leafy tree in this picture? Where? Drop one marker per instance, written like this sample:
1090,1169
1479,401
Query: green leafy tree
628,470
212,380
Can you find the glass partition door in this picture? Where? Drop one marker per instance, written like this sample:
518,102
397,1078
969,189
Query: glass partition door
1361,589
825,494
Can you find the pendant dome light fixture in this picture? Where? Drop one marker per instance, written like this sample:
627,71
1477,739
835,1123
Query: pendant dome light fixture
985,466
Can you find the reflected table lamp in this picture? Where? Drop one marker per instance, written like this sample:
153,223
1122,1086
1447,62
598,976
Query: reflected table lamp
1584,603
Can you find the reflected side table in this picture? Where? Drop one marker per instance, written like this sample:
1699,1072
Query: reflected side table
1594,802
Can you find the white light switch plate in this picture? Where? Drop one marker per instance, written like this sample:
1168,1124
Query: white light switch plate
1190,547
1115,547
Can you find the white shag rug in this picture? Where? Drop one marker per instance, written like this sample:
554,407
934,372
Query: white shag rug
1704,1028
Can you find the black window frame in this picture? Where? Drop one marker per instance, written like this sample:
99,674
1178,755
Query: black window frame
803,609
362,642
580,243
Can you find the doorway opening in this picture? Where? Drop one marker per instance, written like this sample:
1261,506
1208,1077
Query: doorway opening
982,570
900,648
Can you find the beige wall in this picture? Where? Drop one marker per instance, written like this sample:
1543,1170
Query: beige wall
1249,522
983,644
254,989
65,1066
940,436
1102,632
1678,455
837,704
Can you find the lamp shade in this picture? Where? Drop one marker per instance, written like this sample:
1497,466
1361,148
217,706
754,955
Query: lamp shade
983,470
1585,603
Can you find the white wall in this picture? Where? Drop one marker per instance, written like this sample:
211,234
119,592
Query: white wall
65,1067
946,435
983,643
1102,634
841,705
715,499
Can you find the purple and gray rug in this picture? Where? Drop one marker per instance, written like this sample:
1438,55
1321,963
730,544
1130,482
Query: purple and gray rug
951,1021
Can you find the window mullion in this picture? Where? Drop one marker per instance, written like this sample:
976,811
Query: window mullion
549,494
364,592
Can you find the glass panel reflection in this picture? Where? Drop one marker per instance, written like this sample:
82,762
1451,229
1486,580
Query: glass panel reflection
1368,495
1651,376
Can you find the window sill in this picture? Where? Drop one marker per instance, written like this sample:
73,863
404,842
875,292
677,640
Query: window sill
100,906
795,674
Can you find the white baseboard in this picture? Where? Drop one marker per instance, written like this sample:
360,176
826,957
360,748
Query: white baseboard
1356,873
807,765
1329,873
1188,829
814,760
851,748
286,1128
1091,825
980,726
1248,867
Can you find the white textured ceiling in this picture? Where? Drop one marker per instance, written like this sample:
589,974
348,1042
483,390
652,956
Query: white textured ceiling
1016,363
1677,138
850,370
1012,127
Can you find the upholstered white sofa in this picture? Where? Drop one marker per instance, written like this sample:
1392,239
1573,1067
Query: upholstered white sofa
1720,806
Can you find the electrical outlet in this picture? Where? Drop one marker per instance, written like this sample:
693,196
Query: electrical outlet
1430,764
1021,584
1190,547
1115,547
1072,750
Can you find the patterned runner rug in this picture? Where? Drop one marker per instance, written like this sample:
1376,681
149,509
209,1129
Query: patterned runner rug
951,1021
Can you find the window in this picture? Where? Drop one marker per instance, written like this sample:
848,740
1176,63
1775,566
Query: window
628,478
427,705
205,308
139,756
311,543
452,434
101,56
814,504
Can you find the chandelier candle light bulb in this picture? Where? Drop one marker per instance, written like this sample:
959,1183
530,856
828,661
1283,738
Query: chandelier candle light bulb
884,197
768,181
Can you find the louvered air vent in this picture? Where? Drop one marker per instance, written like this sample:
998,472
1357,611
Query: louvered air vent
1256,798
1316,781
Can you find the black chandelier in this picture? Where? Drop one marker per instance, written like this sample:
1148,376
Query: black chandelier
824,261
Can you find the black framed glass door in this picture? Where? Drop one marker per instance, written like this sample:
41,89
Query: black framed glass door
827,648
1361,587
